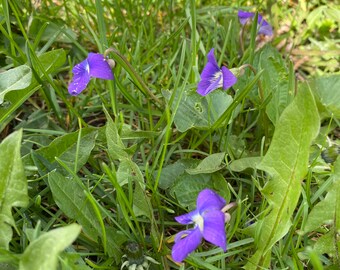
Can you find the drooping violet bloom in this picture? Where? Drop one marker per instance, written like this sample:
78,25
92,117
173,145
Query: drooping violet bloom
265,27
209,219
94,66
214,77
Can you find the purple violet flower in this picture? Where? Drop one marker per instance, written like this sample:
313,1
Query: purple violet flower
214,77
94,66
209,219
265,27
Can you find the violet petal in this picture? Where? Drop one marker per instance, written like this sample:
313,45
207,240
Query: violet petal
209,200
99,67
186,245
229,78
213,228
244,16
81,78
266,30
186,218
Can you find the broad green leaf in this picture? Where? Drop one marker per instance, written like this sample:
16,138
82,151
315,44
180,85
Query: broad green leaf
327,212
210,164
14,79
188,186
13,185
171,172
195,111
241,164
42,253
295,130
65,148
327,93
70,197
50,61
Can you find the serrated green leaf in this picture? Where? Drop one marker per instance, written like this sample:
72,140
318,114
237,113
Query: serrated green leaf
14,79
188,186
171,172
65,148
195,111
42,253
141,202
115,146
295,130
274,81
70,197
210,164
13,185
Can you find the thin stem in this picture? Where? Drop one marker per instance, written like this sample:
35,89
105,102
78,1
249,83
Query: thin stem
261,93
120,59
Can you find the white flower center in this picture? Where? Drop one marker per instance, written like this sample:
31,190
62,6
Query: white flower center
87,67
199,221
217,76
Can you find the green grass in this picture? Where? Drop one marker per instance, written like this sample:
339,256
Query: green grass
126,156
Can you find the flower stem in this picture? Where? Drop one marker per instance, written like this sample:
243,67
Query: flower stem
261,93
121,60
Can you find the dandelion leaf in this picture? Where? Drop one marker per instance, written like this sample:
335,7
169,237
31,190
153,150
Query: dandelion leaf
13,185
70,197
66,149
42,253
286,162
274,81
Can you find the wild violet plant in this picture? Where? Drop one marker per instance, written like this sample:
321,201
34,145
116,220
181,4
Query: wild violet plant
118,181
208,218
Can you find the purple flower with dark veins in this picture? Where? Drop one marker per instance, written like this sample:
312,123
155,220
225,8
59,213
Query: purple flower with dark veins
214,77
94,66
209,219
265,27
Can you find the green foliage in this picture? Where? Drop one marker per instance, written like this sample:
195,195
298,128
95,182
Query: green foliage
73,150
14,79
47,63
275,81
70,197
297,127
13,185
327,93
327,212
42,253
195,111
126,156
